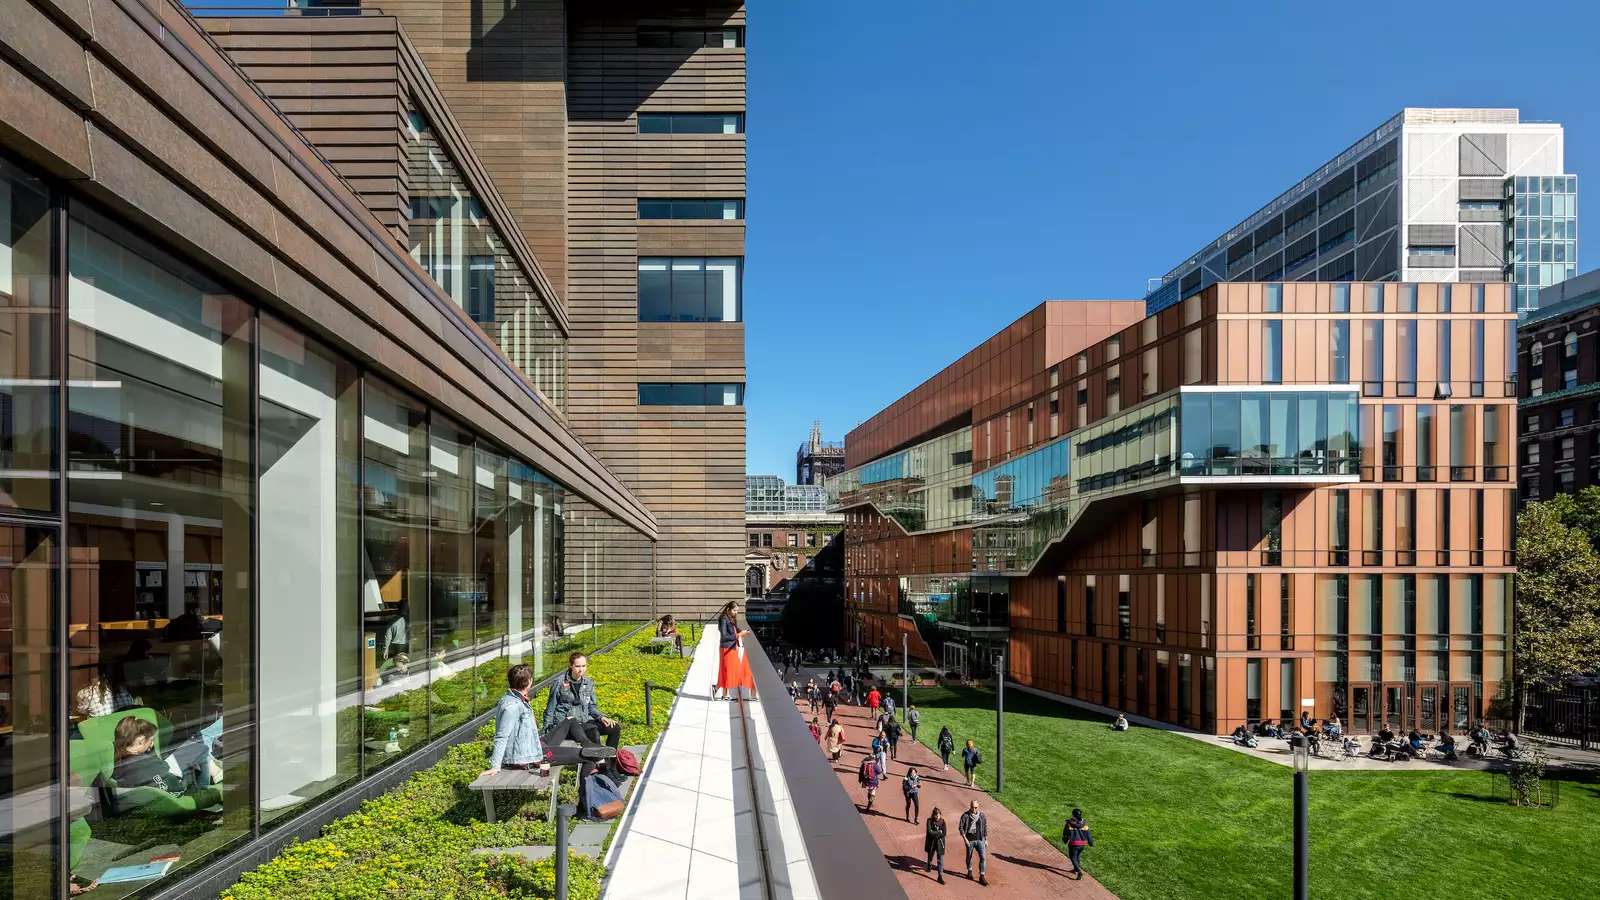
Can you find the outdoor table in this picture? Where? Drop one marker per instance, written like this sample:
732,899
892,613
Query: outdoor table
513,780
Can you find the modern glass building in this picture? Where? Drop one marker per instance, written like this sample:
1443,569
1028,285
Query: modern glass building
1268,498
285,479
1431,195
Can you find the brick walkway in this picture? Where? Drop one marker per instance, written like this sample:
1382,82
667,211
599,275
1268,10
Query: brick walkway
1021,863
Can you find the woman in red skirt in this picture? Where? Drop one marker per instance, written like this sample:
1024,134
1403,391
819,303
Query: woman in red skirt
733,668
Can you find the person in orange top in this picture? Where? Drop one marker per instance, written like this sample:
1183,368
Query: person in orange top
873,699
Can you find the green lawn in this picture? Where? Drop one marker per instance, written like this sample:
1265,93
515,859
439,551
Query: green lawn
1175,818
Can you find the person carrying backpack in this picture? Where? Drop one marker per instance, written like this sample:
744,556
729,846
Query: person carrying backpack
913,719
1075,834
891,730
970,759
868,777
947,745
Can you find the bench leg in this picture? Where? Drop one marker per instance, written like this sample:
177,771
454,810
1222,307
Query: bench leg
488,806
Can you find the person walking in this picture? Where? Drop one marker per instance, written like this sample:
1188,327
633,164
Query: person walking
947,745
891,730
888,703
830,701
816,730
874,700
835,740
933,842
913,719
1075,834
974,828
869,776
970,759
882,756
910,786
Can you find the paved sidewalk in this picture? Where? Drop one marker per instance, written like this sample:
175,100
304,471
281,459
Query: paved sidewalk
1021,863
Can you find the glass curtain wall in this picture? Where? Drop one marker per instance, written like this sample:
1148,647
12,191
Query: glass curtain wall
271,571
310,534
31,828
160,655
457,243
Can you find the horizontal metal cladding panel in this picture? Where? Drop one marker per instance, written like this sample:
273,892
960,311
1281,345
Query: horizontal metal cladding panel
688,460
1431,235
170,137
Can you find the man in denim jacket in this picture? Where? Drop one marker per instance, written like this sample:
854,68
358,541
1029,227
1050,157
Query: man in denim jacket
517,744
573,711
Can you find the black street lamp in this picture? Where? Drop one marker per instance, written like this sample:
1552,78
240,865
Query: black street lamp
1000,722
1301,748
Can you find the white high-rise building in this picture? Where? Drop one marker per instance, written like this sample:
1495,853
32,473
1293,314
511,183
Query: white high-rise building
1429,195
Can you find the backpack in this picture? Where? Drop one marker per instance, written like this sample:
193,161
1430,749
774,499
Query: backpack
602,799
627,762
868,770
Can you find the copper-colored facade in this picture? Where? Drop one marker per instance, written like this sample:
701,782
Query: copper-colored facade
1176,591
550,93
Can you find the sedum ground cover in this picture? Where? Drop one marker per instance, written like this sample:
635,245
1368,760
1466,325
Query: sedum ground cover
417,840
1175,818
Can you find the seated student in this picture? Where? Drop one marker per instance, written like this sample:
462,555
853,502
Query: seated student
1414,741
1331,727
517,744
1480,739
1447,746
1305,719
1352,747
573,705
1120,723
667,627
1313,740
1266,728
104,694
1243,737
188,769
1385,734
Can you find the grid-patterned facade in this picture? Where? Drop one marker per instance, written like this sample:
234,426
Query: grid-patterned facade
1428,196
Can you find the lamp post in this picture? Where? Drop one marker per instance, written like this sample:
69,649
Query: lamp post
1301,749
1000,722
905,675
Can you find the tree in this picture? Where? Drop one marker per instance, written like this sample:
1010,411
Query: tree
1557,601
1580,511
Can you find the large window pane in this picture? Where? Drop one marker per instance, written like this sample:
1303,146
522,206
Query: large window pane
688,290
722,290
493,525
394,593
30,772
28,374
159,455
310,570
655,291
453,587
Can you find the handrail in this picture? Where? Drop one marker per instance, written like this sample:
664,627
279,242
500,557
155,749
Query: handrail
845,859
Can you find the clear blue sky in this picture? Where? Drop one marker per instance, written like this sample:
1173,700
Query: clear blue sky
921,174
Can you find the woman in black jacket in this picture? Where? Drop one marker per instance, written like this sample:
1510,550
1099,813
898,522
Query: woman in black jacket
933,842
947,745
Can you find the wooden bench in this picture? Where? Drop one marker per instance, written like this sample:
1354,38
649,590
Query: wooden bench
516,780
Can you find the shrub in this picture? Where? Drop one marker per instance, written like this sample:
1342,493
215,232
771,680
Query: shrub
417,840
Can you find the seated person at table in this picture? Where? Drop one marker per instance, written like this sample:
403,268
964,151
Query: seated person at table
572,709
186,627
1313,740
1447,745
1331,727
1480,738
103,695
1352,747
516,742
189,768
1265,728
1385,734
1414,741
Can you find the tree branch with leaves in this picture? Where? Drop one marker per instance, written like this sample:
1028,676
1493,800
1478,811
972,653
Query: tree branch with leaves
1557,601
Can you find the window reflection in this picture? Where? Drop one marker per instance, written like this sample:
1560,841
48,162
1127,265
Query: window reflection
159,654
